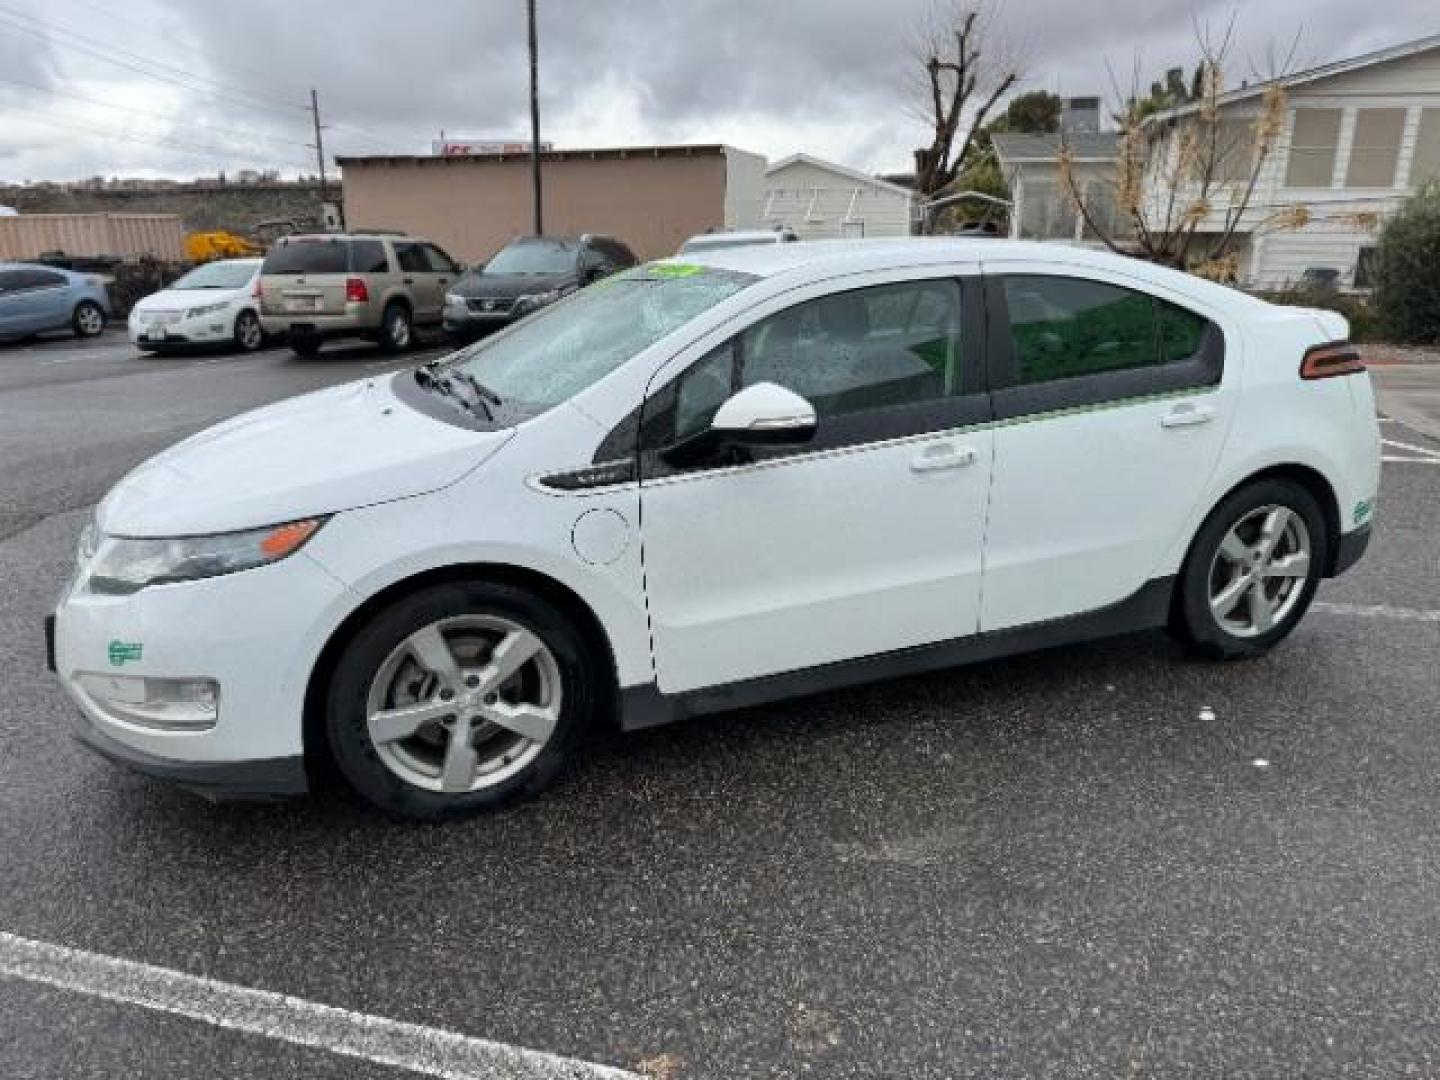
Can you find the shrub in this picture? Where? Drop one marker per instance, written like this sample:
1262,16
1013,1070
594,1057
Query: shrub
1407,271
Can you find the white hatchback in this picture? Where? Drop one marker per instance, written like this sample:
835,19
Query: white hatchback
707,483
217,303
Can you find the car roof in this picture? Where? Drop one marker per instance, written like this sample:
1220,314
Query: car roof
830,258
738,234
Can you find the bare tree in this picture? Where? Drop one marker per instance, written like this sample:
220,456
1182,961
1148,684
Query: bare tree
966,71
1184,183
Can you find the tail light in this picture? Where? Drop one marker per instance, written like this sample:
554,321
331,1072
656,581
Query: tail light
257,293
1327,361
355,291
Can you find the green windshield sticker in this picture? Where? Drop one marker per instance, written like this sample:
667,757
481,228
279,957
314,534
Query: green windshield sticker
123,651
673,269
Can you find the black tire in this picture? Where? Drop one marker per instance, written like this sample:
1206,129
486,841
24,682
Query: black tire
306,347
1194,621
397,329
249,334
88,319
363,659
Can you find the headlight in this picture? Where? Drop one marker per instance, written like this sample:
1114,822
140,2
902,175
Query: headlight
539,299
206,309
122,566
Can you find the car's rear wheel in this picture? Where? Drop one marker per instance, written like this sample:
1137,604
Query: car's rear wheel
88,319
397,331
249,334
457,698
1252,570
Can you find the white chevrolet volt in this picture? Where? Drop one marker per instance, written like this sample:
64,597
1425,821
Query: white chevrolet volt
711,482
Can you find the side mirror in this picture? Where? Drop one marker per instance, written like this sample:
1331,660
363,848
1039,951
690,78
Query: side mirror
765,414
760,415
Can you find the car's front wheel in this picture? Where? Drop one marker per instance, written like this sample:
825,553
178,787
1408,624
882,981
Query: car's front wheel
88,319
249,334
457,698
1252,570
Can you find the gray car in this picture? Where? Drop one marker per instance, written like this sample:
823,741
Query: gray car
34,299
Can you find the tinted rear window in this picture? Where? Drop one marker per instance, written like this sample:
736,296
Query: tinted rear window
309,257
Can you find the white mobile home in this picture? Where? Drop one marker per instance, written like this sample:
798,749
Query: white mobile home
821,200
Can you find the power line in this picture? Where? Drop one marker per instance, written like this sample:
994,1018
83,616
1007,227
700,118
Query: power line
143,112
164,142
109,54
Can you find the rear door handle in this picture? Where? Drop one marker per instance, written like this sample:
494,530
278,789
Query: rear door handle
939,456
1187,415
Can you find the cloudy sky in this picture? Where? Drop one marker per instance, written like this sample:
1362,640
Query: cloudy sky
182,87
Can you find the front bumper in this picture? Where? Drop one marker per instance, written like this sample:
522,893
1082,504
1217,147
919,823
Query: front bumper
242,780
1350,550
204,330
256,633
469,321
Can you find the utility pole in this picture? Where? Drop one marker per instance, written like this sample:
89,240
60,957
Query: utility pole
319,145
535,122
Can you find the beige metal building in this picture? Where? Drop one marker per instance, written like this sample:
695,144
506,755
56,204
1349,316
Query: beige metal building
125,236
652,198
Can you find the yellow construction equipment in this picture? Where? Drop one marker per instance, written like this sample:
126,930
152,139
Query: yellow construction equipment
219,244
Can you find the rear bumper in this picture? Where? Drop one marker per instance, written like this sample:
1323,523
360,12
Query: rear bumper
268,779
305,325
1352,548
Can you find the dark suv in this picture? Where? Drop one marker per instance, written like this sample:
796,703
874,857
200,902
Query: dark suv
527,274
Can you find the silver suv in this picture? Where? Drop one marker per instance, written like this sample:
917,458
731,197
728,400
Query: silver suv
373,285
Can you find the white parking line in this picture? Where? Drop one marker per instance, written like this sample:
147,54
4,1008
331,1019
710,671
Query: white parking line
1423,451
1377,611
424,1050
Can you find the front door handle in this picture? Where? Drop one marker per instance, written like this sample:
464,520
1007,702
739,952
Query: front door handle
939,456
1187,415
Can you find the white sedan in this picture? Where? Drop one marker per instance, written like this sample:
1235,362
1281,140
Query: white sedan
712,482
214,304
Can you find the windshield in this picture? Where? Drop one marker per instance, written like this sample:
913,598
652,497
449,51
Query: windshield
560,350
534,257
218,275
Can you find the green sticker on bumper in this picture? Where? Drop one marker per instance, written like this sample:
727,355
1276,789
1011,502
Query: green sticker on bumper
121,652
1363,509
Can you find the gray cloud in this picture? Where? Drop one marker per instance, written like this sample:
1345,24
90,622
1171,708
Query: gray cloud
833,77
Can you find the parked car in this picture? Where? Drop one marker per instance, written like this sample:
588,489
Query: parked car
527,274
214,304
34,299
376,286
738,238
715,482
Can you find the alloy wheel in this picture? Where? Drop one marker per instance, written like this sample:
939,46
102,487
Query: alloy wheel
399,330
1259,572
248,332
89,320
464,703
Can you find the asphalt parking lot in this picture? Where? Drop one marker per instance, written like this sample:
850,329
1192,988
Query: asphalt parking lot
1103,860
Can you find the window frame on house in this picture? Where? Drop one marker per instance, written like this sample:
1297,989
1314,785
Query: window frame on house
1375,144
1310,160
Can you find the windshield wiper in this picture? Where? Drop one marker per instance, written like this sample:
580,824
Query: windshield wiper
481,395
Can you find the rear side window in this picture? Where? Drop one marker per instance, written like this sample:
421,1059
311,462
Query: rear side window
1062,328
308,257
8,280
33,277
368,257
439,262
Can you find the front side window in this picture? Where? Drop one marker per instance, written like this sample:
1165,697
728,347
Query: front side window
440,263
555,353
1062,328
848,353
412,258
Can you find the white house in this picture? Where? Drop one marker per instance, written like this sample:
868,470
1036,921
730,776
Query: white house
821,200
1360,136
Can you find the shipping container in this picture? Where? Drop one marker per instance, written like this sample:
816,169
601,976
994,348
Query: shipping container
123,236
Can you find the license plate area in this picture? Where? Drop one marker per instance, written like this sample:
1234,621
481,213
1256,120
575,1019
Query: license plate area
304,303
